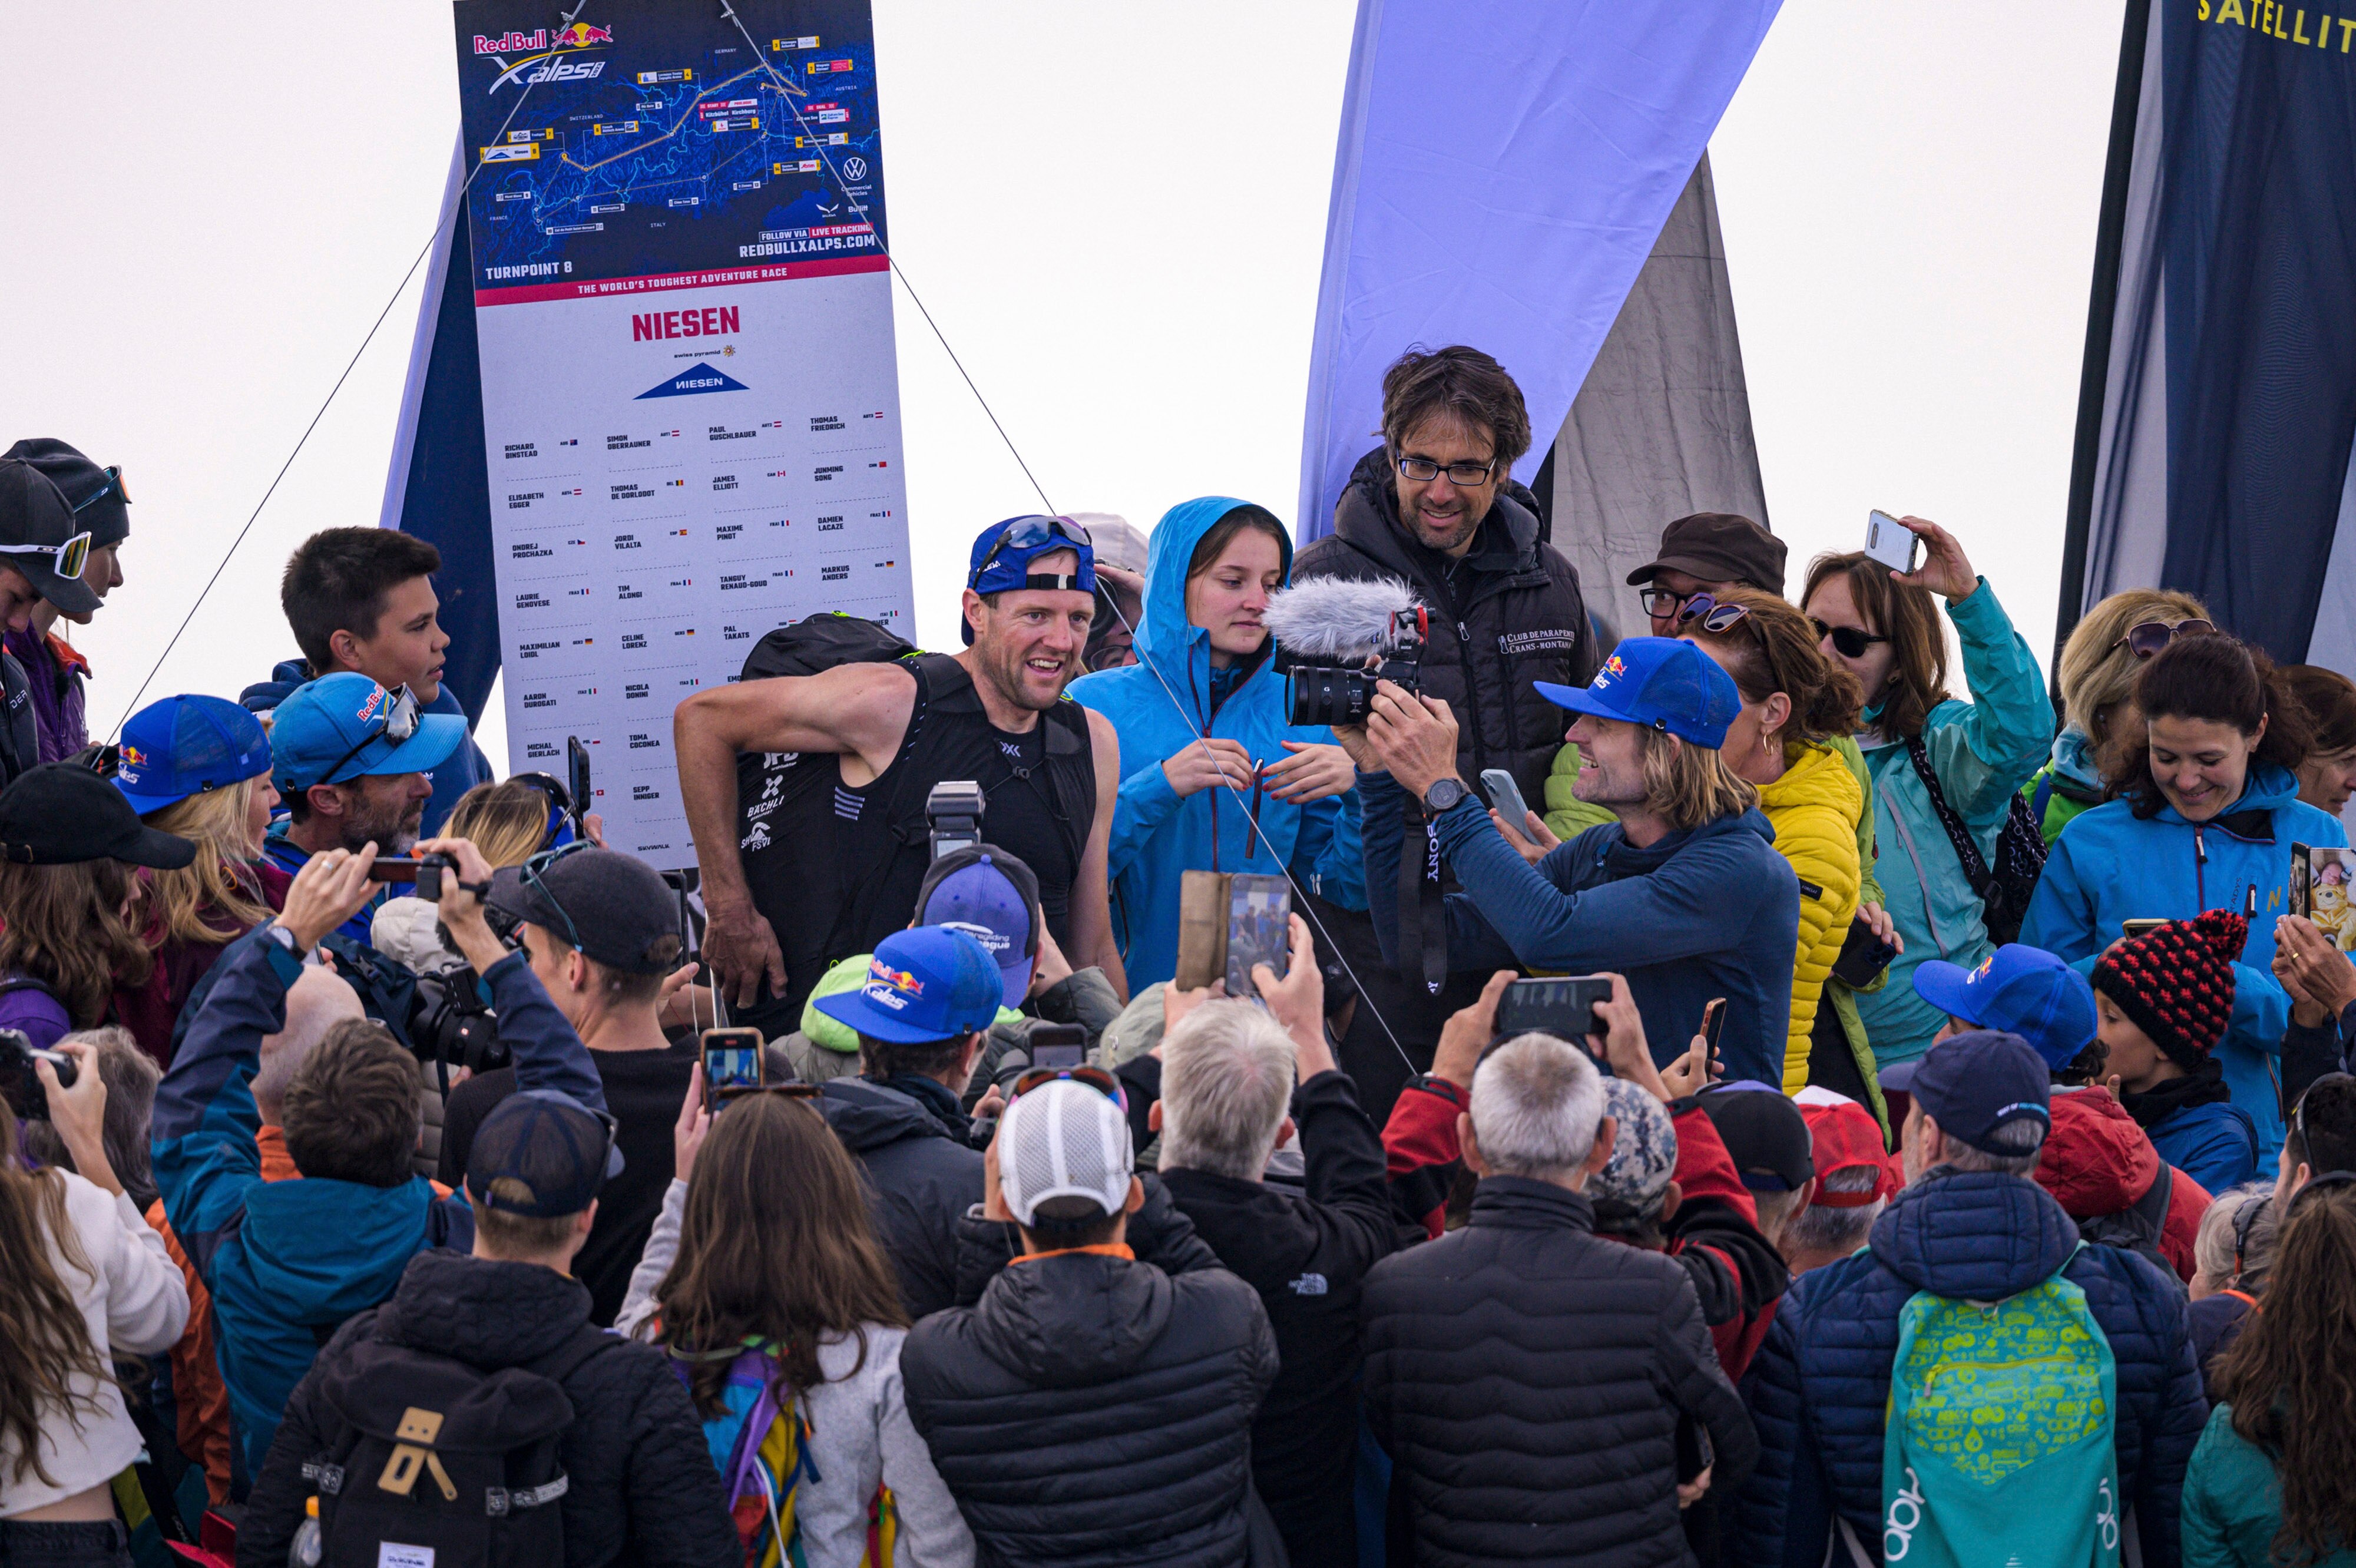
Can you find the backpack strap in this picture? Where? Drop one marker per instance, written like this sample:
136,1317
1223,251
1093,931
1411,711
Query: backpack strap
28,983
567,1359
1959,837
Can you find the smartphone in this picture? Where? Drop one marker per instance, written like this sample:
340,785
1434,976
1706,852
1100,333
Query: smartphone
733,1061
576,778
19,1084
1863,956
1713,1022
1890,542
2138,928
1059,1045
1563,1005
1506,797
1259,929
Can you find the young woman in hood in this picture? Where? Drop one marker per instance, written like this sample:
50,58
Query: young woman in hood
2096,676
1214,778
2208,811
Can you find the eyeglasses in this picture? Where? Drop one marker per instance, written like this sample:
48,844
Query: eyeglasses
1030,533
532,869
2151,635
399,724
67,559
1095,1078
1465,475
113,482
1663,604
1848,641
1715,618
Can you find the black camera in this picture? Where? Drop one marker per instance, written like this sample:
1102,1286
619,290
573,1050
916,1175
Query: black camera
450,1026
1341,695
953,815
21,1084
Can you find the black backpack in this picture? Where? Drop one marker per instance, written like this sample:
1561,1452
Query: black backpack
2005,891
437,1462
785,823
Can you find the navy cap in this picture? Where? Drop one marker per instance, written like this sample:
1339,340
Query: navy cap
2019,990
556,1149
1972,1084
993,897
1003,554
336,725
613,907
185,745
929,982
1661,682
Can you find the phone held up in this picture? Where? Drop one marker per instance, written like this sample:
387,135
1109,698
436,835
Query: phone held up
1059,1045
1561,1005
1890,542
1505,795
734,1060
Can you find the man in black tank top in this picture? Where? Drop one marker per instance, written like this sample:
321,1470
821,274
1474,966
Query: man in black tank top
994,714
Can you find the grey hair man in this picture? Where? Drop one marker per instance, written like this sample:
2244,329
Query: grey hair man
1226,1101
318,1000
1517,1369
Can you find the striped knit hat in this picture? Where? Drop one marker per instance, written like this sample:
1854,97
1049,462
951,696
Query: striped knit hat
2177,982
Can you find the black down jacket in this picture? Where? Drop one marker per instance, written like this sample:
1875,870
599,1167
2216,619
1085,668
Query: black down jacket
643,1490
921,1175
1507,613
1528,1379
1093,1409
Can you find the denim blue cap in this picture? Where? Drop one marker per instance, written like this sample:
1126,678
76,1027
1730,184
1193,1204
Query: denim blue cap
2020,990
929,982
185,745
1661,682
316,730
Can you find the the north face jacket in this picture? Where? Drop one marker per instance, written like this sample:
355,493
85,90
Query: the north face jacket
287,1261
1507,613
1820,1384
1815,808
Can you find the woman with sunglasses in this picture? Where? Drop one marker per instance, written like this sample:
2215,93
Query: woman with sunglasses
2096,676
764,1281
2270,1482
1883,628
1213,776
2206,812
2232,1255
1798,708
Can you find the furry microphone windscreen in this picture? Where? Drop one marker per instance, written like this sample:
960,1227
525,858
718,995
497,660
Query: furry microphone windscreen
1332,618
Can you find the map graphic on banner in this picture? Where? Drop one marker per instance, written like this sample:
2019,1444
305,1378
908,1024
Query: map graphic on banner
690,410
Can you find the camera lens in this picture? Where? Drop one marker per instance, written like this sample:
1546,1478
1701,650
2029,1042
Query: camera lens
1329,696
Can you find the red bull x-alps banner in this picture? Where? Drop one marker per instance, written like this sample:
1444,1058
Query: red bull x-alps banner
690,416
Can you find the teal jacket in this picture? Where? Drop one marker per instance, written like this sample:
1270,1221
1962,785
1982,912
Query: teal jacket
1982,751
2109,867
1157,706
2233,1503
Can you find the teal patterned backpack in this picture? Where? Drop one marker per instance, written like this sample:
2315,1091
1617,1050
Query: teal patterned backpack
1998,1446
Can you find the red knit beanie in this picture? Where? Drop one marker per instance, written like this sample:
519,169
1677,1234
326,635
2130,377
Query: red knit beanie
2177,982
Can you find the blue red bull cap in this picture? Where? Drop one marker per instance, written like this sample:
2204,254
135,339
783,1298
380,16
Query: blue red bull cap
2019,990
1661,682
928,983
185,745
1003,551
345,725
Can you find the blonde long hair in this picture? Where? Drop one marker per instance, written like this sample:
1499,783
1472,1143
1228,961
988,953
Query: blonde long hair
506,820
220,884
2097,670
1687,785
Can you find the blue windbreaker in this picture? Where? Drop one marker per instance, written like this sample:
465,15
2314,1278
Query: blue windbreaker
1157,706
282,1259
2108,868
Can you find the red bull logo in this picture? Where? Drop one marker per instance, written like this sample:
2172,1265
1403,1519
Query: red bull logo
367,709
896,979
580,35
133,756
1613,669
511,43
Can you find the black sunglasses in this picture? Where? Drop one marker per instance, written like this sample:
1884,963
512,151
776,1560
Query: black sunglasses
2148,638
1848,641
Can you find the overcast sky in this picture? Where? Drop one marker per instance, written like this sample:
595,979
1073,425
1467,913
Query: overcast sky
1116,214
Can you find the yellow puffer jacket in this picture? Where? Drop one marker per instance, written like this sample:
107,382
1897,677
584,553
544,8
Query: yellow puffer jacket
1815,808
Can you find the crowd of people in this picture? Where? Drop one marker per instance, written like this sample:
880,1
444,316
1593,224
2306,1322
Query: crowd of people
1949,1153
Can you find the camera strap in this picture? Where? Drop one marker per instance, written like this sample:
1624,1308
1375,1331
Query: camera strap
1422,912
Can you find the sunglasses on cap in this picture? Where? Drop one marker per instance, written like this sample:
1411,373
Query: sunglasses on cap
1095,1078
399,724
1715,618
1848,641
2149,637
1031,533
113,484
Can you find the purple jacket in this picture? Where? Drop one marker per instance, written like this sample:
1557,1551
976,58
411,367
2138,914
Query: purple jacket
57,675
28,1006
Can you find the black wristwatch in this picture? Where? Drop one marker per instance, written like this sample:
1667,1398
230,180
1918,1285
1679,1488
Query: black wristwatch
1443,795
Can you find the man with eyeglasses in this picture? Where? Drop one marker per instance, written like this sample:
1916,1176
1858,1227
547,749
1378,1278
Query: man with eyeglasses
351,760
56,671
887,733
1705,554
46,547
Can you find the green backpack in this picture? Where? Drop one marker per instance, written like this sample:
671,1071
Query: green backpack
1998,1446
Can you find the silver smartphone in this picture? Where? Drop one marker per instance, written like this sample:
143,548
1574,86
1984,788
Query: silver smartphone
1890,542
1506,797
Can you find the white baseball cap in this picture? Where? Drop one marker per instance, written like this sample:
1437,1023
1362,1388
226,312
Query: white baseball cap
1064,1139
